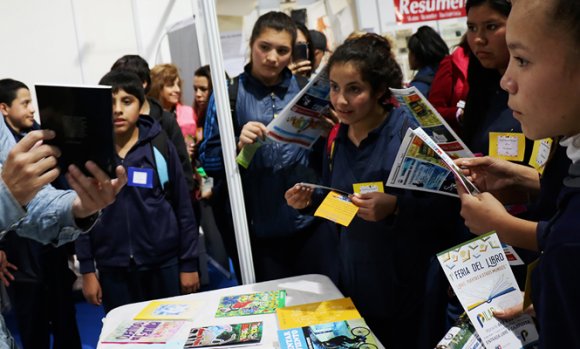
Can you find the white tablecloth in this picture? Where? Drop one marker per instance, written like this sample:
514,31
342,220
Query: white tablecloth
299,290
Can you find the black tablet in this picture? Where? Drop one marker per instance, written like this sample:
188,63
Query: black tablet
82,118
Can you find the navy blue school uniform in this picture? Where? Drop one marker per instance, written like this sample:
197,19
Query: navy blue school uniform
499,118
383,264
281,237
555,282
147,236
422,80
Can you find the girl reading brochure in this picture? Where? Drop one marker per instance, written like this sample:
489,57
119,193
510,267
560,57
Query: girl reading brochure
384,252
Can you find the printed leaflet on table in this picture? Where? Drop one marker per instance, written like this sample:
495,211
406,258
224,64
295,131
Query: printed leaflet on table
144,332
251,304
168,310
340,334
224,335
316,313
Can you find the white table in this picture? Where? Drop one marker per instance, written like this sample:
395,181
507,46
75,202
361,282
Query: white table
299,290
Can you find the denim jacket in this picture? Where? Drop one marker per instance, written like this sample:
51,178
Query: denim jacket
47,218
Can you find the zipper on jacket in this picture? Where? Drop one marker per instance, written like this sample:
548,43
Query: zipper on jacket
131,257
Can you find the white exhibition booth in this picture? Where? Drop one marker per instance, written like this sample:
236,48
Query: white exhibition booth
77,41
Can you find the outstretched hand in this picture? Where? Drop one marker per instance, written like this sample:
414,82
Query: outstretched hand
299,196
94,193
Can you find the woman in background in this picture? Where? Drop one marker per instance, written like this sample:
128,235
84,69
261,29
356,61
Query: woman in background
426,50
166,88
202,90
449,88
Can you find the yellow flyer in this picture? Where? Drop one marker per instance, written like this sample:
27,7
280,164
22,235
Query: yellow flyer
368,187
540,154
337,208
507,145
316,313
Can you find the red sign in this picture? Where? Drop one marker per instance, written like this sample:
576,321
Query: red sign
412,11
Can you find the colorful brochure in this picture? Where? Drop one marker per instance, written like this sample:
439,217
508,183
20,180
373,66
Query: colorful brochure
431,121
224,335
251,304
169,310
422,165
301,122
340,334
144,332
316,313
481,277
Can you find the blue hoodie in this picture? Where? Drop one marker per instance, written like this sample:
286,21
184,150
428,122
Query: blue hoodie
142,224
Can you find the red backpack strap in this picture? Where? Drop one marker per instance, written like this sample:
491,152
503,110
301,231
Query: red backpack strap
330,144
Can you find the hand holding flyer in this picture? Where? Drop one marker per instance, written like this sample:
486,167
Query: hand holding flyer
422,165
469,187
481,277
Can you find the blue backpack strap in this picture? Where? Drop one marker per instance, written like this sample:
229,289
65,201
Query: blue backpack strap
160,150
161,166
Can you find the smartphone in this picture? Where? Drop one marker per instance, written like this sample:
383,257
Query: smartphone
300,52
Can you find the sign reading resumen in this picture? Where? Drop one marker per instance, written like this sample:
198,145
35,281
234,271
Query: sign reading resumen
412,11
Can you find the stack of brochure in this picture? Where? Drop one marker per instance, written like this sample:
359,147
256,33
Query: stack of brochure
328,324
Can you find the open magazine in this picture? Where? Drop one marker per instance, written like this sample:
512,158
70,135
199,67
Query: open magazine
421,164
301,122
431,122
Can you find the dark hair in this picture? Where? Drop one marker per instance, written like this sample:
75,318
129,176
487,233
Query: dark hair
306,33
9,89
126,81
483,82
427,46
137,65
205,72
566,15
502,6
372,55
278,21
